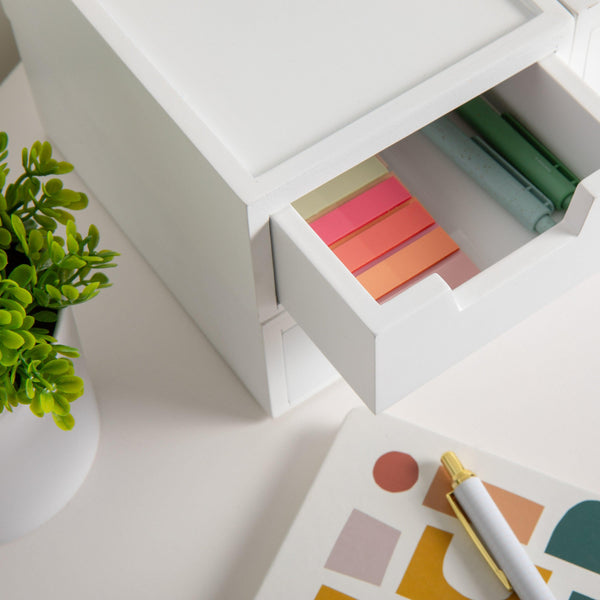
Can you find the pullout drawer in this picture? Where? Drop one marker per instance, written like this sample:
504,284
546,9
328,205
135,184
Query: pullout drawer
385,350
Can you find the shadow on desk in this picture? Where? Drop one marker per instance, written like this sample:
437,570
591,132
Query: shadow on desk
281,502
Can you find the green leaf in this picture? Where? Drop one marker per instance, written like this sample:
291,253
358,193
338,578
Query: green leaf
19,230
16,319
29,338
107,254
89,290
81,203
53,186
71,229
45,152
49,212
40,352
70,292
63,167
61,405
3,260
11,304
22,295
63,217
46,316
94,237
29,389
36,242
22,274
36,406
65,422
70,384
31,187
49,167
9,356
11,339
36,148
41,297
54,293
46,222
56,253
3,141
5,317
67,197
72,244
71,263
101,278
46,401
5,236
66,350
58,366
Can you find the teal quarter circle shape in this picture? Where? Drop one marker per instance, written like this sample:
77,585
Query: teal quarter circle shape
578,596
576,538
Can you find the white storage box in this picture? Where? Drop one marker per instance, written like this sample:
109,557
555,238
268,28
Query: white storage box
197,125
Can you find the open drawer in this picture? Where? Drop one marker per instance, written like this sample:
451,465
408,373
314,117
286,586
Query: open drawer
385,350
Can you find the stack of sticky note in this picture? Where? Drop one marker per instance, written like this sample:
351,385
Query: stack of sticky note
380,232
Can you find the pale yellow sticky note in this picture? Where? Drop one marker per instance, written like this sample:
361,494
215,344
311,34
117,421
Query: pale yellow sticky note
335,191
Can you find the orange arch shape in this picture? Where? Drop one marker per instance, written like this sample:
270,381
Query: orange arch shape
424,578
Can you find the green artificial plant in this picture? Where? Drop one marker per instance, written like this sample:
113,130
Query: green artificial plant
40,274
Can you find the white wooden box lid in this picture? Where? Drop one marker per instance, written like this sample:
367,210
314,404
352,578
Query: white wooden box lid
268,90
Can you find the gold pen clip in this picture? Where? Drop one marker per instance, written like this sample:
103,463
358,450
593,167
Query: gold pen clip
458,474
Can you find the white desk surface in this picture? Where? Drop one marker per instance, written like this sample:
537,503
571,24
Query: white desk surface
194,488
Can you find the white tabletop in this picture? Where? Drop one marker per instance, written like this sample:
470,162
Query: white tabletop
194,488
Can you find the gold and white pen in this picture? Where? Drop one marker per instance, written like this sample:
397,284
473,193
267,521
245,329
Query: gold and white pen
492,534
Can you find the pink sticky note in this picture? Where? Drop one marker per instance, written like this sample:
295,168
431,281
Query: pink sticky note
360,210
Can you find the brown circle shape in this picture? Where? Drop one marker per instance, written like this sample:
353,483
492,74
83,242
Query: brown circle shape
396,471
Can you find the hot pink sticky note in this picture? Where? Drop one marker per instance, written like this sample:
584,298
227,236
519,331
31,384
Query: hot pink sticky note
360,210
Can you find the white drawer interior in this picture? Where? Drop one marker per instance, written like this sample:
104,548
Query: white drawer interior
386,350
483,229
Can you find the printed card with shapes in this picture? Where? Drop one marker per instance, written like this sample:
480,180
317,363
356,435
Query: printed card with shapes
376,524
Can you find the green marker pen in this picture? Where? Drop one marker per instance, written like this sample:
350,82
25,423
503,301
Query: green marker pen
499,134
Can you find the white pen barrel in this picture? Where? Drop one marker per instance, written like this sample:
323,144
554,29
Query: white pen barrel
500,540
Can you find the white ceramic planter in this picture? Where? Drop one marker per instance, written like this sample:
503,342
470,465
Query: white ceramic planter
41,466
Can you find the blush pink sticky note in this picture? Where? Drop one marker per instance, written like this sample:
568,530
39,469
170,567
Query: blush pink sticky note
360,210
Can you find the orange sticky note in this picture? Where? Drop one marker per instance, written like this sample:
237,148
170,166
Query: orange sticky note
382,236
408,262
454,270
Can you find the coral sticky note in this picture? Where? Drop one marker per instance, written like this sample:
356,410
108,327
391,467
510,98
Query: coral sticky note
408,262
395,228
360,210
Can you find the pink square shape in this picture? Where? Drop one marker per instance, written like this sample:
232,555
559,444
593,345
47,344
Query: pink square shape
364,548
